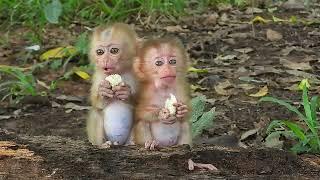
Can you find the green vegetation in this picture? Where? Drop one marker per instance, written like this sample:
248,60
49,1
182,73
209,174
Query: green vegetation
20,84
200,119
307,131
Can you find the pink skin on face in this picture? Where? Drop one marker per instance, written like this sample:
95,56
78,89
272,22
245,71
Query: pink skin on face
108,57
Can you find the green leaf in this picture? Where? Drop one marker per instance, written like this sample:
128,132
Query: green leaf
297,130
285,104
198,105
306,105
52,11
82,43
56,64
205,121
314,105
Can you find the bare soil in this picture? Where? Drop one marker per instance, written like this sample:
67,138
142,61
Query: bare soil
61,149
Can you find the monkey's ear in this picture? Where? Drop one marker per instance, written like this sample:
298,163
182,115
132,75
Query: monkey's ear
137,68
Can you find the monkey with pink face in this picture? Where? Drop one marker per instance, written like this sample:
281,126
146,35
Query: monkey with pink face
112,51
161,66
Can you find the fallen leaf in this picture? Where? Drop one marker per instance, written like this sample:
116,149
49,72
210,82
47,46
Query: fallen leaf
273,141
176,28
294,65
4,117
248,133
312,77
244,50
254,10
196,70
259,19
293,87
224,60
246,86
293,19
223,88
43,84
82,74
240,35
59,52
71,106
293,5
273,35
262,92
69,98
275,19
197,87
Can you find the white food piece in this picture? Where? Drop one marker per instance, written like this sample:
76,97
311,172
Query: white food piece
169,104
114,79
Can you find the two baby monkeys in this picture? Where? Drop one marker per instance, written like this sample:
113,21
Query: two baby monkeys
130,87
139,92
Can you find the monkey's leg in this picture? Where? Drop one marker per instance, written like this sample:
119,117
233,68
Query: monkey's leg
95,129
118,121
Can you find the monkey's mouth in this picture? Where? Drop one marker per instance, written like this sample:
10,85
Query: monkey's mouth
168,78
109,70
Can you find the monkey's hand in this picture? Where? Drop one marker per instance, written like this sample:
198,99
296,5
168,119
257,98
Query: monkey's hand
122,91
165,117
182,110
105,89
151,144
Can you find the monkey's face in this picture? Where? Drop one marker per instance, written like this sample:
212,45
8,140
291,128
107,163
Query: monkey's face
163,63
108,57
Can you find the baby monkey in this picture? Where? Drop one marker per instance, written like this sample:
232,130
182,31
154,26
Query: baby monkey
112,51
163,108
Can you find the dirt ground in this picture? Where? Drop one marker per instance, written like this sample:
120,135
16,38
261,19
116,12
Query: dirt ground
57,137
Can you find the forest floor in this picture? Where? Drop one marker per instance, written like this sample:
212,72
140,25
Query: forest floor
43,137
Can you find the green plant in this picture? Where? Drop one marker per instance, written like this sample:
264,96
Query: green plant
19,84
308,137
200,119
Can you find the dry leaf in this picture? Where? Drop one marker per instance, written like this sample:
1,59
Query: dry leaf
197,87
59,52
273,35
223,88
244,50
71,106
246,86
176,28
196,70
294,65
262,92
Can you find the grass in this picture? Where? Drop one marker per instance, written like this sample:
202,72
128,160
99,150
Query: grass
307,131
18,85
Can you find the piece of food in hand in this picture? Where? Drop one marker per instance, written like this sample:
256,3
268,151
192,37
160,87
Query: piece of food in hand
169,104
114,79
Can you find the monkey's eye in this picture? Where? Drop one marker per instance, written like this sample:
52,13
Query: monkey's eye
158,63
114,50
172,61
100,52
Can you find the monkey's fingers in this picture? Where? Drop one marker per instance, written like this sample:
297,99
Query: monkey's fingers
181,113
153,145
107,93
147,144
182,107
106,84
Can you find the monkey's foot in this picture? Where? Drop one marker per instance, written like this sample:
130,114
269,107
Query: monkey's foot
108,144
151,144
192,164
